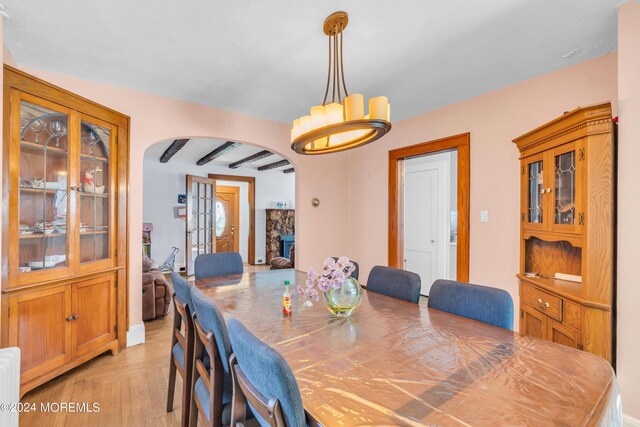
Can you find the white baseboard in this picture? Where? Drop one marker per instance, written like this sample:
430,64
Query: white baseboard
135,335
628,421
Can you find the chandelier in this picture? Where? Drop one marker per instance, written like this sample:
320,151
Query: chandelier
340,124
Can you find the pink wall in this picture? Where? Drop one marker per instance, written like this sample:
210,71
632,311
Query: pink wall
155,118
493,120
629,207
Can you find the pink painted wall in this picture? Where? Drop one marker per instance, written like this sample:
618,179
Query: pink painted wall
629,207
319,230
493,120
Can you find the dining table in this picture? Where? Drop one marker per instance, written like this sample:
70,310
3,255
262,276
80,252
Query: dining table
396,363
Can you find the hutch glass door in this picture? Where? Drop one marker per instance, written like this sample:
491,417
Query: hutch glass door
43,202
566,201
94,193
533,177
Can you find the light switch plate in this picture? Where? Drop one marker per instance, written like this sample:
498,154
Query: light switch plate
484,216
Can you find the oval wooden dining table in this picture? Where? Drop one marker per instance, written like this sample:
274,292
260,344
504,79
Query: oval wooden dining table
397,363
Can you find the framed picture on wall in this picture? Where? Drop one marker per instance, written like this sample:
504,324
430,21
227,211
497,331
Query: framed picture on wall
182,198
180,212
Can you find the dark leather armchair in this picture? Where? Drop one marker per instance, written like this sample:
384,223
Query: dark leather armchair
156,293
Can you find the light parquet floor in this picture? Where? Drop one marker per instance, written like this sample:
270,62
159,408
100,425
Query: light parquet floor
131,387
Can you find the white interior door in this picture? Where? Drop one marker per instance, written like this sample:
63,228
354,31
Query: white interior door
425,226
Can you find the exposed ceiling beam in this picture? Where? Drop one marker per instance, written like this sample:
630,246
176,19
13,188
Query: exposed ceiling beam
290,170
274,165
227,146
175,146
258,156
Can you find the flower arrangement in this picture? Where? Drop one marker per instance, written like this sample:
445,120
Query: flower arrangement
333,276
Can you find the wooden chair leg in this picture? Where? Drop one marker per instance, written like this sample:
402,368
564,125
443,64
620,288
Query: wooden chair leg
172,384
186,400
193,415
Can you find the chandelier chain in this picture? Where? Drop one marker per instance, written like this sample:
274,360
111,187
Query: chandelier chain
326,91
336,76
344,83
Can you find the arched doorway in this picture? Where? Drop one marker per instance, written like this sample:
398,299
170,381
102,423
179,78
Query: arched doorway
203,195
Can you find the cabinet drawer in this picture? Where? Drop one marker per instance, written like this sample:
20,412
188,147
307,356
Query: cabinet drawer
542,301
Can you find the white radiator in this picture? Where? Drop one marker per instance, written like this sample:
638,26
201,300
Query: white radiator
9,386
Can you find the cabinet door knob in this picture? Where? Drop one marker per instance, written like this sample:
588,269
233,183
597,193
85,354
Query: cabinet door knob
75,316
539,301
548,190
74,188
69,319
546,305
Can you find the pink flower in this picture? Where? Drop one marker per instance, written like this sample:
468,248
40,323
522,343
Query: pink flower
338,276
342,263
329,263
310,283
337,284
324,284
311,273
350,269
300,290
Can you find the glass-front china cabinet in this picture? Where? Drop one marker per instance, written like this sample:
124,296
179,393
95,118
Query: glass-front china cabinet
567,230
65,238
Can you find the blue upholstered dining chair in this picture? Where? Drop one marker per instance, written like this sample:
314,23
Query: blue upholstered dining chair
395,283
212,389
182,344
218,264
481,303
262,378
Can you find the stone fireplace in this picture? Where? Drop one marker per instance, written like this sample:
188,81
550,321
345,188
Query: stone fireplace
279,222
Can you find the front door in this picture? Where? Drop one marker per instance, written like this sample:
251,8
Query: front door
227,219
201,195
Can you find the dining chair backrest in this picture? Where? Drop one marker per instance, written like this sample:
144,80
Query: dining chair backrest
355,272
182,289
395,283
482,303
211,320
182,345
218,264
264,379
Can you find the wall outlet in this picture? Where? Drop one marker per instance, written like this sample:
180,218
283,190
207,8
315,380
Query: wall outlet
260,261
484,216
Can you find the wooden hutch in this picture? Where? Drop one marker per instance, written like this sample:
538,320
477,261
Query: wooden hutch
567,230
64,228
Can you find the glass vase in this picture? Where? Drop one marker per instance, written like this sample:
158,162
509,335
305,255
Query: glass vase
345,300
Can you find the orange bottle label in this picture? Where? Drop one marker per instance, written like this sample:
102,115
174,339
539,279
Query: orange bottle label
286,304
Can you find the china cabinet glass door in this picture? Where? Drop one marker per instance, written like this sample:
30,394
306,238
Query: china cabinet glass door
533,183
95,192
567,215
42,188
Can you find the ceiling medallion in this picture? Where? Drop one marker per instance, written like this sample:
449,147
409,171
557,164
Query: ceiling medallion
341,124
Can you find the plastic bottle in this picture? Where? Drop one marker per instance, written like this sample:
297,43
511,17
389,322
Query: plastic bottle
287,301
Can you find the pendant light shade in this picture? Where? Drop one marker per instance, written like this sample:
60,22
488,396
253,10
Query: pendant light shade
340,124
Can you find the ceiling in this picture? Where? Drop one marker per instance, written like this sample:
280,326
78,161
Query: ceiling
196,148
269,58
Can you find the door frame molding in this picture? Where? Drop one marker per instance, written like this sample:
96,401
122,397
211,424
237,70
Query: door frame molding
251,181
461,143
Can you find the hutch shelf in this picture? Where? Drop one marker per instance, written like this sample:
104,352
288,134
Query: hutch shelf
64,238
567,202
